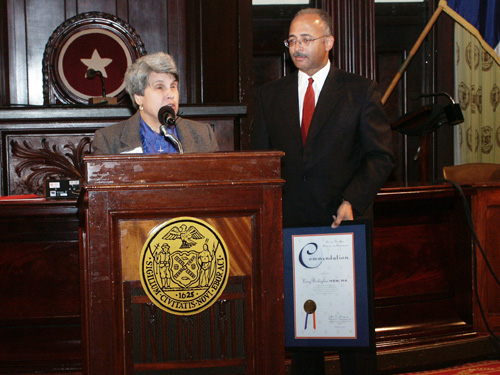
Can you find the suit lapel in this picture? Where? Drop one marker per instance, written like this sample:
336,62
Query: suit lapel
130,138
329,98
185,136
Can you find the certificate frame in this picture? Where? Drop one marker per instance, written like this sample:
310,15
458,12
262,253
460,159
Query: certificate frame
343,316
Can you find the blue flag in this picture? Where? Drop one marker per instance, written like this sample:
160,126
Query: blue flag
480,17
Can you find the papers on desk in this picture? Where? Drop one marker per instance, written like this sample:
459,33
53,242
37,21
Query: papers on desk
22,198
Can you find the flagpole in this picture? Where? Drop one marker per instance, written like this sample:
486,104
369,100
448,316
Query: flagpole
412,53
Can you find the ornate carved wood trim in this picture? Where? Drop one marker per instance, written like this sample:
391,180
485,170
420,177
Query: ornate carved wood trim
58,89
49,162
63,130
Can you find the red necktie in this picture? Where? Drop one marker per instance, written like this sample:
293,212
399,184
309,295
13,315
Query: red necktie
307,110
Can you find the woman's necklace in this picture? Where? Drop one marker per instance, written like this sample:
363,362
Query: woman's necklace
157,144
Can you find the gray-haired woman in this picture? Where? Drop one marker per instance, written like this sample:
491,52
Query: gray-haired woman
152,83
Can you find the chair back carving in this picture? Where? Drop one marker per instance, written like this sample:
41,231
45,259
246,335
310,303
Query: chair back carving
95,40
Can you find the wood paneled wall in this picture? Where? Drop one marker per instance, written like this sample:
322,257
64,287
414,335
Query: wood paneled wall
210,41
373,40
4,93
40,329
353,29
207,40
423,287
43,142
398,26
222,60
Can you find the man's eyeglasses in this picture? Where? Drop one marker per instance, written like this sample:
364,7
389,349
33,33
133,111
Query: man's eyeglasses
305,41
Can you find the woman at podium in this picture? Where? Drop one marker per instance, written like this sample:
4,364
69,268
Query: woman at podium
153,85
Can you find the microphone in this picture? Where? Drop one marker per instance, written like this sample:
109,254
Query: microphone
166,116
91,73
452,111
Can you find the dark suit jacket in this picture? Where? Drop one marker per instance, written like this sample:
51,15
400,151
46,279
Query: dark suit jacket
125,136
347,153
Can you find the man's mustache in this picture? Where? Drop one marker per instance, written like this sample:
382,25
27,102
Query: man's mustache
299,54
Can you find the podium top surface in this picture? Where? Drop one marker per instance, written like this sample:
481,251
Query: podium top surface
160,169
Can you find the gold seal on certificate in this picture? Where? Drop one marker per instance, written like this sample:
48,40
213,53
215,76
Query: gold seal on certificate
309,306
310,309
184,266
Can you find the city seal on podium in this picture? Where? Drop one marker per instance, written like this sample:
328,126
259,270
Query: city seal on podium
184,266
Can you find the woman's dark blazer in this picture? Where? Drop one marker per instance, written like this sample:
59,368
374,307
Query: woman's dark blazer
124,137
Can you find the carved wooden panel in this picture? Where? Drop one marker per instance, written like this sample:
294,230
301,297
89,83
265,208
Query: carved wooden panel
50,142
40,327
92,40
34,158
398,27
31,27
422,267
218,337
486,216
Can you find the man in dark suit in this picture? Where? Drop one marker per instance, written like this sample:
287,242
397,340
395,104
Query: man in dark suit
333,170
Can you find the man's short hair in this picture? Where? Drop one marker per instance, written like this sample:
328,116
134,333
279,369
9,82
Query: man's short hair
323,15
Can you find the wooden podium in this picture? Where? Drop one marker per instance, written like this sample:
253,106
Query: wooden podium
124,198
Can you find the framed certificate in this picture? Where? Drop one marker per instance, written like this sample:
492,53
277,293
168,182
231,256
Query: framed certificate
328,286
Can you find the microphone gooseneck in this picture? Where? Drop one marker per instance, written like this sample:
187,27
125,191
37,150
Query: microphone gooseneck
445,94
166,116
172,138
91,73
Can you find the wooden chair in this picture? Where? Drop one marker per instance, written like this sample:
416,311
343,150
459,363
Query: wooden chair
472,173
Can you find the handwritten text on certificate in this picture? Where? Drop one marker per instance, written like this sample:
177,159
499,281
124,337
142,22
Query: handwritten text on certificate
324,288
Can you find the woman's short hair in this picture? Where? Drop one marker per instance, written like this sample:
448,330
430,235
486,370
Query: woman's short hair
137,75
